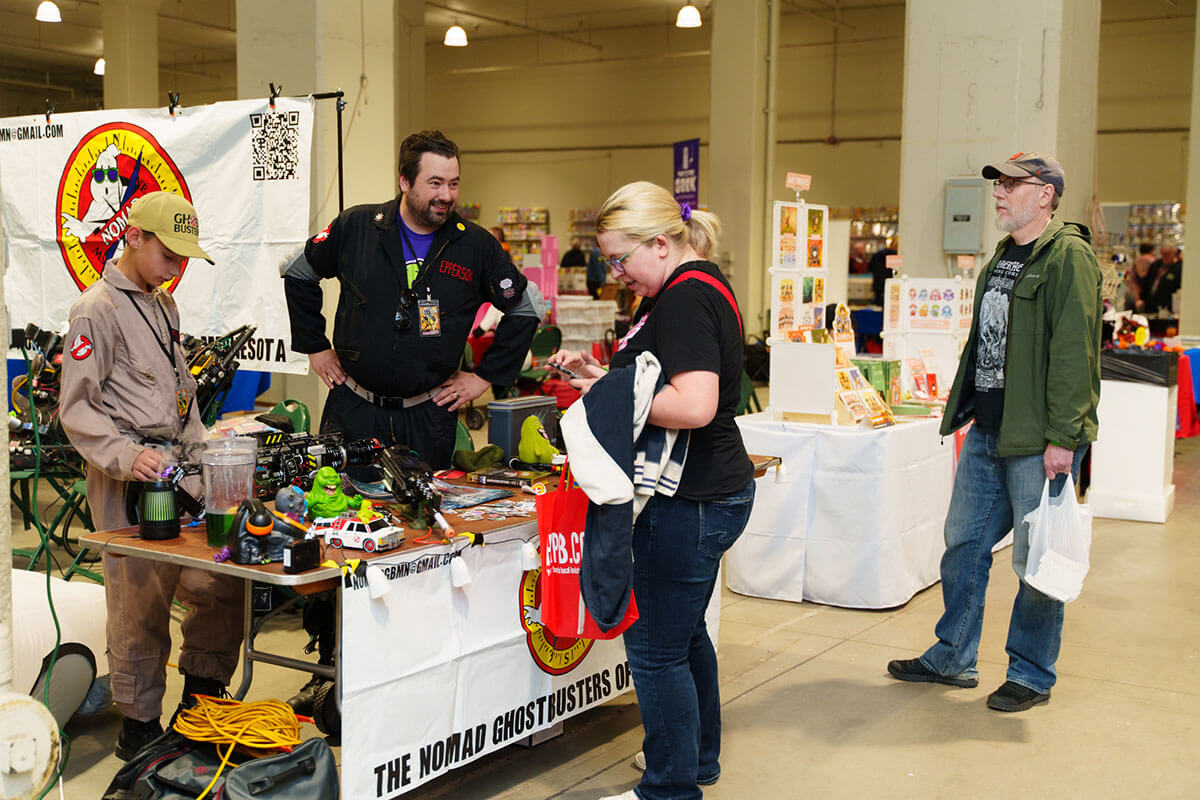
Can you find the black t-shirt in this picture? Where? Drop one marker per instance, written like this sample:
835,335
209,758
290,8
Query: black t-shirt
991,348
690,327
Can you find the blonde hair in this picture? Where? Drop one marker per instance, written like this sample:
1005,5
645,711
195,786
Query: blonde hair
642,210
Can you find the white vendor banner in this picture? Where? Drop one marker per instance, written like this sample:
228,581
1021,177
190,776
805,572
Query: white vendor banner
67,181
435,676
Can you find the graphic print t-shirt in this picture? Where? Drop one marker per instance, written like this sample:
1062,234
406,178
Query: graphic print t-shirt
416,248
992,347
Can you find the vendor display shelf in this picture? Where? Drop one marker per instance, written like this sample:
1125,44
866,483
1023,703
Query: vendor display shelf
875,226
572,279
582,224
524,228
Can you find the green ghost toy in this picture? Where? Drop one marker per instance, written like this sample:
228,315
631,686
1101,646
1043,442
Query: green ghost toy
326,498
534,446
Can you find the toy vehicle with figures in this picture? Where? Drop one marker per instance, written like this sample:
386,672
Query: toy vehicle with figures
350,530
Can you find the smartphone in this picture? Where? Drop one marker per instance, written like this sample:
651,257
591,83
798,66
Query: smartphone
569,374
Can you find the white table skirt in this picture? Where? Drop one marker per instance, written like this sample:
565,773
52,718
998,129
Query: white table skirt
853,518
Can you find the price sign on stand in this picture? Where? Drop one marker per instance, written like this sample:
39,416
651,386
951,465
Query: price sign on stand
966,262
894,263
799,181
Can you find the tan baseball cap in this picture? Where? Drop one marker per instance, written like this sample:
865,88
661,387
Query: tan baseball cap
172,219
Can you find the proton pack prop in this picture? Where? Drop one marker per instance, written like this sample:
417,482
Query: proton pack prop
410,480
42,383
260,536
213,364
36,395
285,459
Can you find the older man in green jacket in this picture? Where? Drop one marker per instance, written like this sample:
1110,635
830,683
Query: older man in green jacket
1030,379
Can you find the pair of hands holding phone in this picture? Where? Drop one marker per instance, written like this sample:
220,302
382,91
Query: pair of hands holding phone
580,370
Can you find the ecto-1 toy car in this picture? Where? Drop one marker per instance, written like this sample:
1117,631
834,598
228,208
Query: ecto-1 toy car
350,531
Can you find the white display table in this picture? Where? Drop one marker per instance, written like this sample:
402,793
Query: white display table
1133,459
853,518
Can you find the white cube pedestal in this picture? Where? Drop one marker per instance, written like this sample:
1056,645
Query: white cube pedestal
1133,459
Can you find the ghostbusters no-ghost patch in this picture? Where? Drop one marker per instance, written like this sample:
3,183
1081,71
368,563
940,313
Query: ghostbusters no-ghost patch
81,348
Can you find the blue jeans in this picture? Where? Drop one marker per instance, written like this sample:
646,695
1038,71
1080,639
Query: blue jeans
677,548
990,492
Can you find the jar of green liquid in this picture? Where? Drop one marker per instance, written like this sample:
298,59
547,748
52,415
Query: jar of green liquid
228,468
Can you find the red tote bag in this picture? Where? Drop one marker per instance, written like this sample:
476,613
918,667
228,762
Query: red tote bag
561,518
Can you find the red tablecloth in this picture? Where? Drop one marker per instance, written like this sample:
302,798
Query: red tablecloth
1188,425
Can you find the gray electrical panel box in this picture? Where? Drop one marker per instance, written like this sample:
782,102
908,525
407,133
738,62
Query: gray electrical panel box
966,207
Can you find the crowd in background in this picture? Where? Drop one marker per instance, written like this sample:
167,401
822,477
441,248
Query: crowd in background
1151,283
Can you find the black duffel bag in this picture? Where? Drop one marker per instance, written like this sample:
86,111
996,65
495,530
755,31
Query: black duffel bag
175,768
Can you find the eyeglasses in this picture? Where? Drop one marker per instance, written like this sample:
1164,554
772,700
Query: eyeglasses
615,264
111,172
1009,184
403,318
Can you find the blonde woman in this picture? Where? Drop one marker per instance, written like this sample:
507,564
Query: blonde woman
690,320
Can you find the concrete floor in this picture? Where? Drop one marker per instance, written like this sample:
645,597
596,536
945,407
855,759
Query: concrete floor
809,710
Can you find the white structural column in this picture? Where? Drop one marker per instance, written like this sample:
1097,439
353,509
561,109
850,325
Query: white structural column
130,29
312,46
737,148
409,68
1189,295
982,84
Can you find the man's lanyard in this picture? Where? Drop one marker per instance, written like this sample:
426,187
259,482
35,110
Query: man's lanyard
421,262
182,403
429,313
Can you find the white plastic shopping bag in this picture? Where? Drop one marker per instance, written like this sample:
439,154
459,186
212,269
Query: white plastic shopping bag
1060,537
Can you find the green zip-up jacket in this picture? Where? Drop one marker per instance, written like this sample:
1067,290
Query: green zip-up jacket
1052,367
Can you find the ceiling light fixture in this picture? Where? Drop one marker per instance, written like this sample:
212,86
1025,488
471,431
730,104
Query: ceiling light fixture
99,68
455,36
47,12
688,17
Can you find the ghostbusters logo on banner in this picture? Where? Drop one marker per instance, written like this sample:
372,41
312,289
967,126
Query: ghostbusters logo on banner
65,195
110,167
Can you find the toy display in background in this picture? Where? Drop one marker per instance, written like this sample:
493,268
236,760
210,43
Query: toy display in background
1129,329
369,531
42,383
534,446
410,481
261,535
213,364
326,499
288,458
291,502
39,390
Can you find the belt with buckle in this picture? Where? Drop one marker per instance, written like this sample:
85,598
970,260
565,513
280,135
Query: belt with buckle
383,401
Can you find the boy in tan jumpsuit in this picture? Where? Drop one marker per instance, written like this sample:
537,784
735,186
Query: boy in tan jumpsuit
125,383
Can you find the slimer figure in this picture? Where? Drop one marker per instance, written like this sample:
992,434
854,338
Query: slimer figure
326,498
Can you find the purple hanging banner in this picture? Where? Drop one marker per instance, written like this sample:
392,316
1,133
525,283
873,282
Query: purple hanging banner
687,172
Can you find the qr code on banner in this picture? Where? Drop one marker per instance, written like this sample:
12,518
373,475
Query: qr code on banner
275,145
